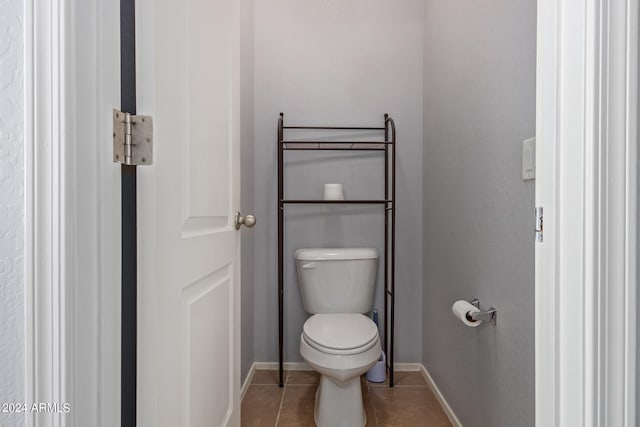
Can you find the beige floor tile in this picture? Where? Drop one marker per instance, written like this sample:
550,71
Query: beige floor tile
407,407
297,406
303,377
267,377
410,404
402,379
260,406
368,407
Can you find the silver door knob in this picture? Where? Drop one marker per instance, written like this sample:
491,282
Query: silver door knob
248,221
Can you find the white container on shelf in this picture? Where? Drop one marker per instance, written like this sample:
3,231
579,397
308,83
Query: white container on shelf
333,192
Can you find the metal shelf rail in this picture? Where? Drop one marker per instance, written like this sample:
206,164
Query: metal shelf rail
389,148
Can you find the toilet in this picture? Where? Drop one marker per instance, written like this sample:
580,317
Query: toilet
338,340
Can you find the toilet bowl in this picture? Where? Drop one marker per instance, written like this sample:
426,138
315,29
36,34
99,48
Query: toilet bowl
341,347
337,286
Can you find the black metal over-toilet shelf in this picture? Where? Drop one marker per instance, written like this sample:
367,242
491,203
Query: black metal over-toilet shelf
388,146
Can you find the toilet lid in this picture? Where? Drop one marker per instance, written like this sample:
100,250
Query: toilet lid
340,331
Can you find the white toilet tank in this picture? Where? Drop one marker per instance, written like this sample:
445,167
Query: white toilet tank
337,280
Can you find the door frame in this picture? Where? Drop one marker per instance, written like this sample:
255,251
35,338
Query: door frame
587,94
72,259
587,184
46,376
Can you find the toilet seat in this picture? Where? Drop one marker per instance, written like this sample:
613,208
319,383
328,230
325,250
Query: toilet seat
340,333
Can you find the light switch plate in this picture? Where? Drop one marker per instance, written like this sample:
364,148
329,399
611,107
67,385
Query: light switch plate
529,159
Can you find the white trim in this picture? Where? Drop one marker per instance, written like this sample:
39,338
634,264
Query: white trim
545,280
443,402
616,232
45,192
407,367
302,366
93,214
108,197
632,176
288,366
587,184
70,262
247,381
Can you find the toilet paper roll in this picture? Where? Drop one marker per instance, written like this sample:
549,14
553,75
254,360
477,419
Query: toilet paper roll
333,192
460,309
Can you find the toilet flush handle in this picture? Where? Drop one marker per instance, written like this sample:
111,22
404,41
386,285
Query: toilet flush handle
309,265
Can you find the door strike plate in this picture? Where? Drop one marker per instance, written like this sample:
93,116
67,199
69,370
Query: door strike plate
539,229
132,139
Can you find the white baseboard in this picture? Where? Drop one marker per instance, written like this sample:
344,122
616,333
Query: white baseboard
247,381
445,406
407,367
289,366
302,366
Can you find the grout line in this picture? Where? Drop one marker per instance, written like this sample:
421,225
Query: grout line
284,390
370,388
371,402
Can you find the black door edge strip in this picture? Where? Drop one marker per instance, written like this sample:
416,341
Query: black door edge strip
129,325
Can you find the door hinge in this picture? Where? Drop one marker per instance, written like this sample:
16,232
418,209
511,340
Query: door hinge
539,227
132,139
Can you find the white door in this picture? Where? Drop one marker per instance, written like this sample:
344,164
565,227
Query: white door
188,250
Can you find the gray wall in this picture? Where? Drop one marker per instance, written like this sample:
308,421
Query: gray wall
340,62
247,148
479,104
12,208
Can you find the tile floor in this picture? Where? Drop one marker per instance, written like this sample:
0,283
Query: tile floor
409,403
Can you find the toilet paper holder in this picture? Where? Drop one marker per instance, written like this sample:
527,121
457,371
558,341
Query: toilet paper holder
490,315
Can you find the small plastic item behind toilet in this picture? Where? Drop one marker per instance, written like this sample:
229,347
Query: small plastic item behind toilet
378,372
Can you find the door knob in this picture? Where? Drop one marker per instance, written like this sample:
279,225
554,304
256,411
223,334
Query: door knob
248,221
